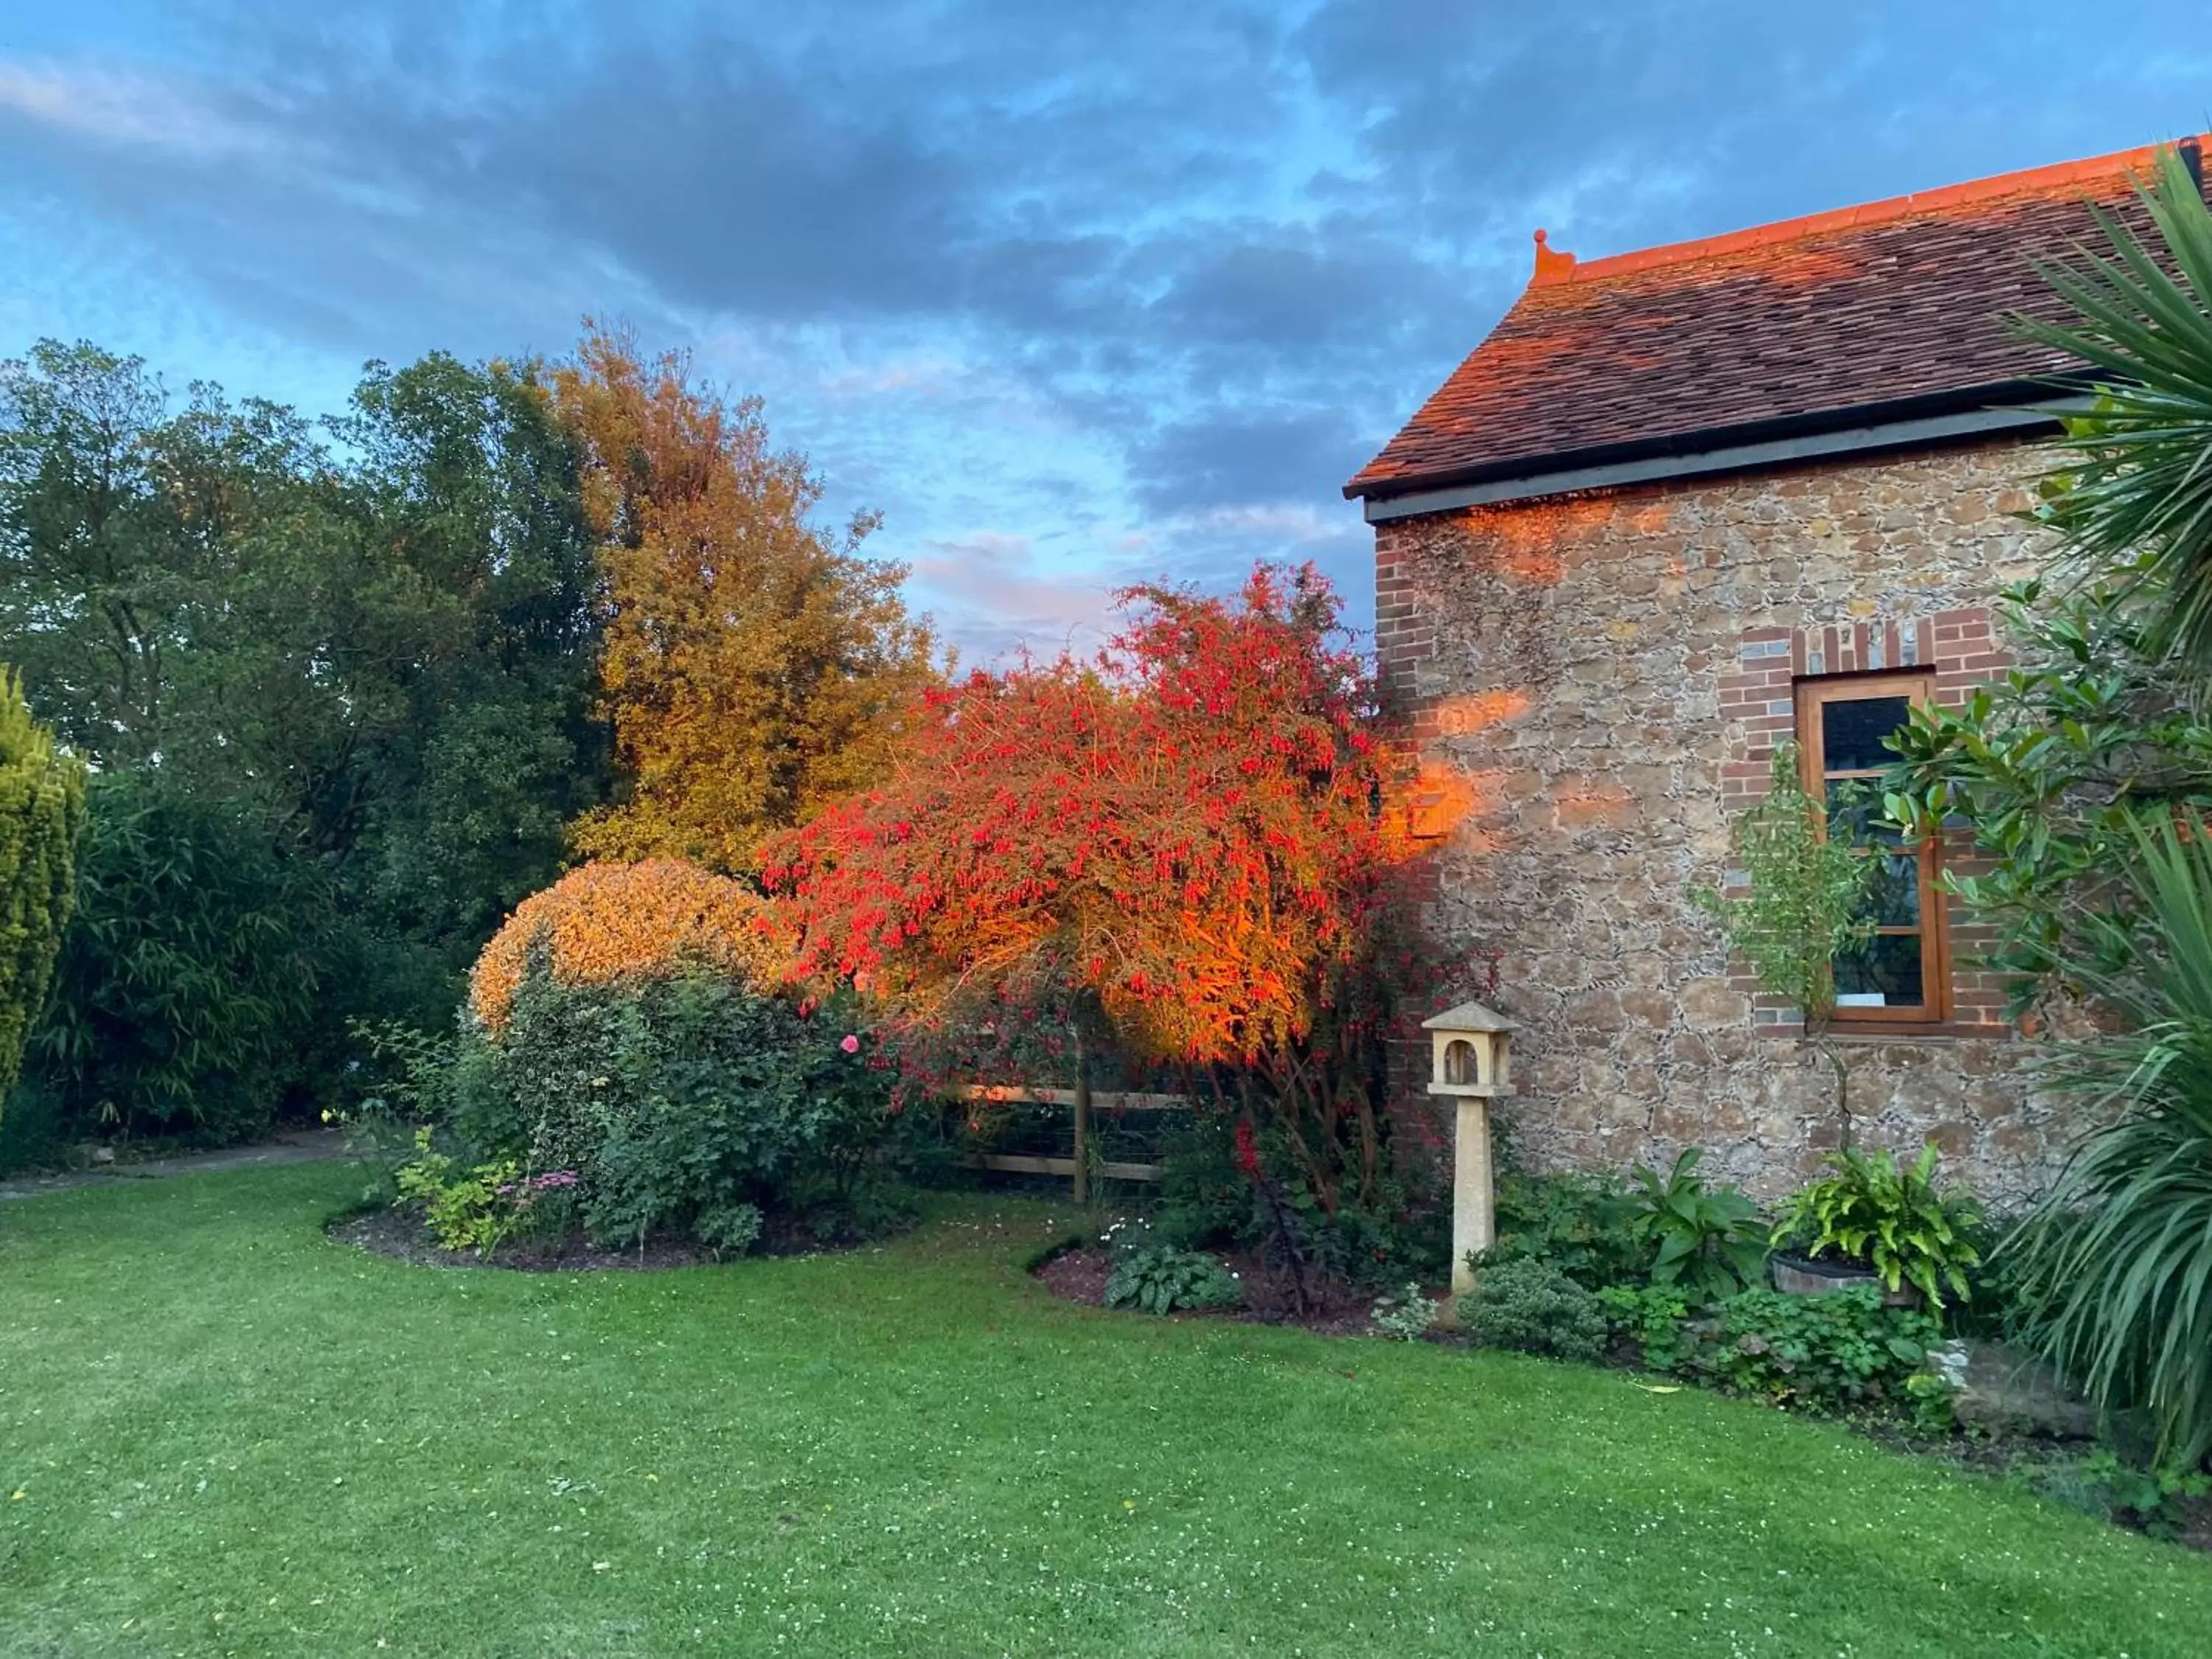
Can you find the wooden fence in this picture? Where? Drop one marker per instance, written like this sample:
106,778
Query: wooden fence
1085,1102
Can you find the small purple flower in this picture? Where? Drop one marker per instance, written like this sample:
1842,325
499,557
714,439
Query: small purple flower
553,1178
851,1045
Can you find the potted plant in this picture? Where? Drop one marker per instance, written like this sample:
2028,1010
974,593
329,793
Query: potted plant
1872,1219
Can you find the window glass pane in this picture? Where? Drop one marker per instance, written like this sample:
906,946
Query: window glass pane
1882,972
1856,813
1893,900
1851,732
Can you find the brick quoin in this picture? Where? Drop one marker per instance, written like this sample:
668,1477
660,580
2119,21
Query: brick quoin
1964,659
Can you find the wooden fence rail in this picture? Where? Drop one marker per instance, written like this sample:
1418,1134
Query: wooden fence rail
1085,1102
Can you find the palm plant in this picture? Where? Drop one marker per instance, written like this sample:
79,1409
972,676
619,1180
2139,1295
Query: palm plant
2117,1258
2134,496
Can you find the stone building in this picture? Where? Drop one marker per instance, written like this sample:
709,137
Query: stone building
1680,504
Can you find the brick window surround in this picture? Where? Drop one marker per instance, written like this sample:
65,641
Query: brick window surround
1759,705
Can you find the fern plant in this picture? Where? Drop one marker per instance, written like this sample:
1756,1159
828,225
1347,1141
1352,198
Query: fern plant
1889,1218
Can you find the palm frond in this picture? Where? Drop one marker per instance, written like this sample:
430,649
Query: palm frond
2136,499
2119,1254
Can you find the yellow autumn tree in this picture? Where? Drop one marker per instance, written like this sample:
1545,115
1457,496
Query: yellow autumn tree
754,666
605,922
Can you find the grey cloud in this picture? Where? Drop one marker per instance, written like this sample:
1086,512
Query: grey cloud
1652,123
1231,244
1231,456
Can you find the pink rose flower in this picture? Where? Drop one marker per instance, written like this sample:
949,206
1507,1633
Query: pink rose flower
851,1045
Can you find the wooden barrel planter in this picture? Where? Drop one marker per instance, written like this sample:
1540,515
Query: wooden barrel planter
1801,1275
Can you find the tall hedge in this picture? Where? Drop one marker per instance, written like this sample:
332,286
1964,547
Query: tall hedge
41,814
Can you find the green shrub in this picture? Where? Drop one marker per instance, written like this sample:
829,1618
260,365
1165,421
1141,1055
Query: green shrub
33,1135
1205,1199
1160,1278
1819,1353
1653,1317
1533,1306
1891,1219
694,1107
1577,1224
189,976
1405,1317
42,818
476,1209
1933,1397
1707,1240
2101,1484
1208,1201
1403,1234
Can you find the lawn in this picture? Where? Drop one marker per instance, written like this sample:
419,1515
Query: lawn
221,1433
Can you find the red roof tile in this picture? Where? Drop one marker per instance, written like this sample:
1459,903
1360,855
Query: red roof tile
1693,345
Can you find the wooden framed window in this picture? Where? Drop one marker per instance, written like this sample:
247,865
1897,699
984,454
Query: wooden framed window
1902,974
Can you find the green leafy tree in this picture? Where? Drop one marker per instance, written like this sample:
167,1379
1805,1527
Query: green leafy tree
477,627
369,653
41,814
391,647
85,602
1803,901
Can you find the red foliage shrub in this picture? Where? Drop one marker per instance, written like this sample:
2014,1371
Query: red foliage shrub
1189,831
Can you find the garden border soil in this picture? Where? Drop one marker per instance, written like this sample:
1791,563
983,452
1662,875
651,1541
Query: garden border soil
1077,1272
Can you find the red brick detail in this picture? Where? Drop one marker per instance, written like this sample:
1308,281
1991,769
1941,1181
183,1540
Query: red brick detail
1962,651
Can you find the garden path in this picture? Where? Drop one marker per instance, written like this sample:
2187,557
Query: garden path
298,1146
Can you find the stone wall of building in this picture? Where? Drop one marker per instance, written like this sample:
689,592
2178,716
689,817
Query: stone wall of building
1592,683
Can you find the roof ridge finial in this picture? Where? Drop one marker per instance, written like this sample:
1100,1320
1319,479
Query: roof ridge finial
1552,265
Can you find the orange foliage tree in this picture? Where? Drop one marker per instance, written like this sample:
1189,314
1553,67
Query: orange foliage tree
607,921
753,667
1187,833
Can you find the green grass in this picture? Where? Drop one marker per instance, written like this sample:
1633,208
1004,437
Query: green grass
232,1436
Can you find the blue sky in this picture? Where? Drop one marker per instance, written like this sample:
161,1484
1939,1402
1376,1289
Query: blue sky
1075,292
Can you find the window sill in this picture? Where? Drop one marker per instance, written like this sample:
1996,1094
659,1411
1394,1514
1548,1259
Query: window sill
1898,1030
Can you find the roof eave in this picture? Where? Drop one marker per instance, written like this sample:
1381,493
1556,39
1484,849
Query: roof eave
1970,411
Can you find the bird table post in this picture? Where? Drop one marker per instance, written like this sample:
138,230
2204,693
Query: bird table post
1470,1059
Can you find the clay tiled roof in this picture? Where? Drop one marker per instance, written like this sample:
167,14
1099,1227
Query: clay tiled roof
1800,327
